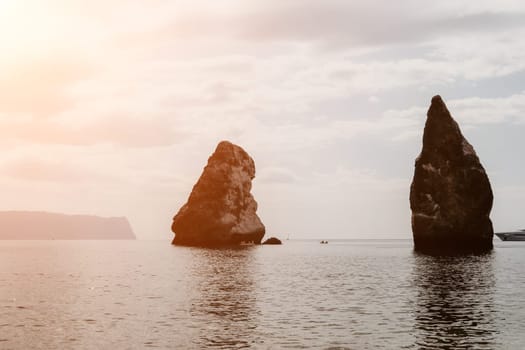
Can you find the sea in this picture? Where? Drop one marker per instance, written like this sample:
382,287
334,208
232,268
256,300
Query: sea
347,294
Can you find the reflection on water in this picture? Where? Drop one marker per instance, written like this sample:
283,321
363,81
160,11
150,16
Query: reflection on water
92,295
302,295
454,307
224,297
28,306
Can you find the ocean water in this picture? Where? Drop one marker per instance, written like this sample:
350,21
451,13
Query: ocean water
345,294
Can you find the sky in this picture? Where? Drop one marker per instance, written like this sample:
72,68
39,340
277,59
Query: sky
113,107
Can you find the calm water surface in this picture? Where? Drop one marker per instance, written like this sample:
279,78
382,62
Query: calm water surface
346,294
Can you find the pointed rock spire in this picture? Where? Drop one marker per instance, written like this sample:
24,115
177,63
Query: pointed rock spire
450,196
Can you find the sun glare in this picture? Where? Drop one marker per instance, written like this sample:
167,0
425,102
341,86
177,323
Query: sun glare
27,27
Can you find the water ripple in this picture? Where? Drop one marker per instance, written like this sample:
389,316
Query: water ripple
344,295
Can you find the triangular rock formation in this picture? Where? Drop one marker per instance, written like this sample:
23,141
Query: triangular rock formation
221,209
450,196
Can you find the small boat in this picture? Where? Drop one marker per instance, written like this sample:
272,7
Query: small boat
512,236
324,242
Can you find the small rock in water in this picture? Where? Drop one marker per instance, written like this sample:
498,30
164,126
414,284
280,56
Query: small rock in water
221,210
450,196
273,240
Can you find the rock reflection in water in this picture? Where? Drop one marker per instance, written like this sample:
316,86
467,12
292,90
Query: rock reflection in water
224,298
454,302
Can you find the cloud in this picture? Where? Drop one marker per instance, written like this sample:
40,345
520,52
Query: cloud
34,169
477,110
121,131
407,124
329,98
373,99
470,111
39,85
338,24
274,175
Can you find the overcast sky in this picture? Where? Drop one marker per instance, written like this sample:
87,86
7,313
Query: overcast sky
113,107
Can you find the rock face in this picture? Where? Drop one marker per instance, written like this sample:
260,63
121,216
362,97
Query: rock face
221,209
450,196
26,225
272,240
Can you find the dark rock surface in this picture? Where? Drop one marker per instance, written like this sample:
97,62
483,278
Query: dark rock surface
27,225
450,196
273,240
221,210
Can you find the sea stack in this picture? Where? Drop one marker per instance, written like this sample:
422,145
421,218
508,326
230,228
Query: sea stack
450,196
221,210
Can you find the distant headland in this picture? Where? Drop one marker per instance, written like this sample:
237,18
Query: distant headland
36,225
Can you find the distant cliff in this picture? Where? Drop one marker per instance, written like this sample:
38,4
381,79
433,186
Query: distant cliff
27,225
